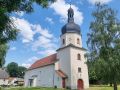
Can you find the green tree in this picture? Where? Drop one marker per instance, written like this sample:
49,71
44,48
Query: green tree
93,76
3,50
21,71
8,31
16,71
12,69
104,44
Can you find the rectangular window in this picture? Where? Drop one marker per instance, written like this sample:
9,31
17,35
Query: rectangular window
79,70
63,41
78,41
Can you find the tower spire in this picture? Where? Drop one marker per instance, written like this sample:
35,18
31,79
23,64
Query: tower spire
70,14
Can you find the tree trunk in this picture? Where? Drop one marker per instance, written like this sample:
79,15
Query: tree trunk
115,86
110,84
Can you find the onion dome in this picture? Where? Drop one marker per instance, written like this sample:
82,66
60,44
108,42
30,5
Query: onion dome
71,27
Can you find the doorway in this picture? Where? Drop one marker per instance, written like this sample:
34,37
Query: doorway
63,83
30,82
80,84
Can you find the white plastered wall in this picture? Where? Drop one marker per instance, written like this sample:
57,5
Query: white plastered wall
75,64
70,64
71,38
64,63
3,81
44,77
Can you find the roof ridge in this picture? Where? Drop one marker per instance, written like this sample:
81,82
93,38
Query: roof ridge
45,57
44,61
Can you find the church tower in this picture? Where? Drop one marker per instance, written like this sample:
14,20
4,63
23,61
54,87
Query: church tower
71,32
71,55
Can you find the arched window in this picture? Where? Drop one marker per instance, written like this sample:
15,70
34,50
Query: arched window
78,41
63,41
79,57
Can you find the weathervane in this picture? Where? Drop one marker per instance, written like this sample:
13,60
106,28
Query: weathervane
70,3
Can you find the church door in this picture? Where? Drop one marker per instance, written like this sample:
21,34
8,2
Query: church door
80,84
30,82
63,82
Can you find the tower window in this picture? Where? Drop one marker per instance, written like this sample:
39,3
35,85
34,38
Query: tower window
63,41
79,57
78,41
79,70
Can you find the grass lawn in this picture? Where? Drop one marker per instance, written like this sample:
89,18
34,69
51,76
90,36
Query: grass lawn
102,88
38,88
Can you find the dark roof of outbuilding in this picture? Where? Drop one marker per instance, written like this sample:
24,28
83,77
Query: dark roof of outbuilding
3,74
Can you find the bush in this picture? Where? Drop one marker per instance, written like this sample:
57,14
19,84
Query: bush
68,88
55,86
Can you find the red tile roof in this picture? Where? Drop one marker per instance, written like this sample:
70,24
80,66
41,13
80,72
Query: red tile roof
61,73
44,61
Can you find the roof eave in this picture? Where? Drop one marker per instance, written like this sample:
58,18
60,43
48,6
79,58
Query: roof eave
40,66
71,45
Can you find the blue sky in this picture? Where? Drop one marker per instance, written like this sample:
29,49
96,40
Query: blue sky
39,31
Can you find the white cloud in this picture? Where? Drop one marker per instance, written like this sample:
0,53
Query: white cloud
101,1
50,20
41,31
48,52
30,61
25,29
60,7
13,48
43,40
26,65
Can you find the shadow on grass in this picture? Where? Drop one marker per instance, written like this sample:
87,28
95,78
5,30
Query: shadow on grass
100,86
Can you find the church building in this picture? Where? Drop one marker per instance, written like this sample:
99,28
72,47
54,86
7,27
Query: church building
67,68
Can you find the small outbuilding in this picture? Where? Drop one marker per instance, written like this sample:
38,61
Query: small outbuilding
14,81
4,77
